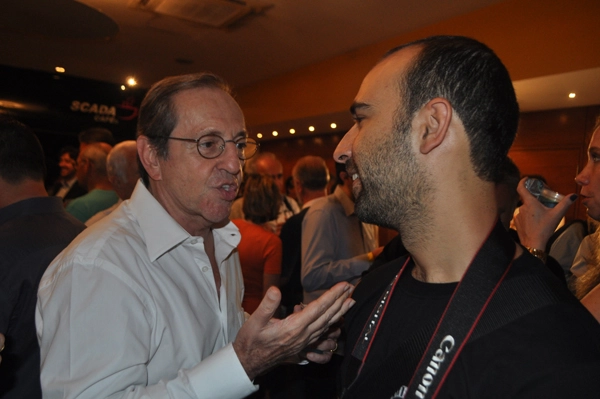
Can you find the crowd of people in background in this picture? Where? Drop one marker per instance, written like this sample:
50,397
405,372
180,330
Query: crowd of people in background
184,263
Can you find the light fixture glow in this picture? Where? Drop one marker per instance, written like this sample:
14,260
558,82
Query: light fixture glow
259,135
60,69
572,95
275,133
333,125
131,81
123,87
292,131
311,128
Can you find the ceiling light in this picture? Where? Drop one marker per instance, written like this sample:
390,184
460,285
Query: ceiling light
60,69
131,81
572,95
311,128
292,131
333,125
259,135
275,133
123,87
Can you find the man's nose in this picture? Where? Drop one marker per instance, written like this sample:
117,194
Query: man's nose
343,151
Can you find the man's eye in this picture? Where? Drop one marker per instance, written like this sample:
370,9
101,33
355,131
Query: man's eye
241,145
208,143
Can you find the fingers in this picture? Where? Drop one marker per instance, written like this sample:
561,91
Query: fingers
535,223
334,333
525,195
328,305
563,206
267,308
327,310
323,351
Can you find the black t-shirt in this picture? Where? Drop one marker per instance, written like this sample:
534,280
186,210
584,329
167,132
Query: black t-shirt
553,351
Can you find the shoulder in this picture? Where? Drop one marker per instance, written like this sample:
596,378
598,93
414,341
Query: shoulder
324,204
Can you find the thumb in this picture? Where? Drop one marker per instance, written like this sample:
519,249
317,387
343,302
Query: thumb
268,306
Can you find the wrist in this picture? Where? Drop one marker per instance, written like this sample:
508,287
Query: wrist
538,253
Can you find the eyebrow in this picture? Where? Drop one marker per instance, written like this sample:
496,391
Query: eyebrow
356,106
242,133
214,132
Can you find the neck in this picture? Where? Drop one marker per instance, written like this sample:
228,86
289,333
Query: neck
311,195
99,182
194,224
445,249
13,193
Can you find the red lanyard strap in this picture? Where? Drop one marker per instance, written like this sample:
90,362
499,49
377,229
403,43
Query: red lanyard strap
467,304
446,340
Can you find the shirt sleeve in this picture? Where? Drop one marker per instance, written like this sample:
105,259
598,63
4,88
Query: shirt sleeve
320,267
97,340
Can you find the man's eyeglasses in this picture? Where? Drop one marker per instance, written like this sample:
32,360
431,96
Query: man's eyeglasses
211,146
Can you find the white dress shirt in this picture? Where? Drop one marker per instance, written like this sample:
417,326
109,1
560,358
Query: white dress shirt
130,310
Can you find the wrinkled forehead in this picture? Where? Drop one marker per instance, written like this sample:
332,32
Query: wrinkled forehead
208,106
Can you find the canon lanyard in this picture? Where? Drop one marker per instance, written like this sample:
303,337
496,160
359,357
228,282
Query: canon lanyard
464,310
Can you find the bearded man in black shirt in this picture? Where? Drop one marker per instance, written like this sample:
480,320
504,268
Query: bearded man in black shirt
468,313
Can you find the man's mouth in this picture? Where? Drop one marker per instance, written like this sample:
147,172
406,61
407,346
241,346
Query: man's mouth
229,191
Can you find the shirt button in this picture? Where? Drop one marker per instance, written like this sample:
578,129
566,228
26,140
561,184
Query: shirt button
205,269
194,241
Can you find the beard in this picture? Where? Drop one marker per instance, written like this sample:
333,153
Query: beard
394,188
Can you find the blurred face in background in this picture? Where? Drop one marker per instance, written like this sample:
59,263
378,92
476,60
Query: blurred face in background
67,166
272,167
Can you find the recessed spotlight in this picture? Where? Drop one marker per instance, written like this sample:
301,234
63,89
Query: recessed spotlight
60,69
259,135
292,131
572,95
311,128
123,87
275,133
131,81
333,125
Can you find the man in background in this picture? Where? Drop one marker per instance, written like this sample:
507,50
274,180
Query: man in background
96,135
123,174
34,228
311,178
91,173
336,246
66,186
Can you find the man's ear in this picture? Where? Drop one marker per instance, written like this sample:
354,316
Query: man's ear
435,118
148,158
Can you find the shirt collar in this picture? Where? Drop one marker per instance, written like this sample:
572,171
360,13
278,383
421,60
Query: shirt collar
343,199
162,232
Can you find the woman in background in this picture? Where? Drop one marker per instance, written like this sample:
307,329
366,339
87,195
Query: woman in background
260,247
